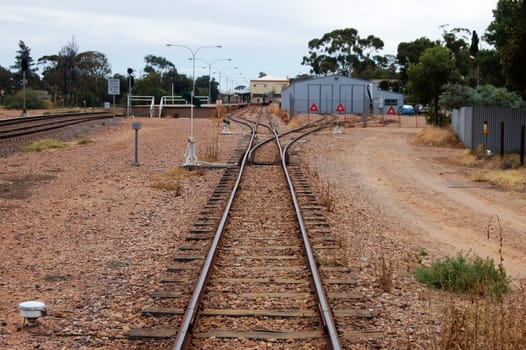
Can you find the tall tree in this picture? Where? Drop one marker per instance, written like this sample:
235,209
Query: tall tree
507,32
6,81
427,78
456,41
409,53
76,77
343,51
94,70
24,60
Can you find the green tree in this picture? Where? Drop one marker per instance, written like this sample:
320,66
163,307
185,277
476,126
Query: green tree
94,70
6,81
74,77
507,33
343,51
427,78
490,68
456,41
408,53
24,54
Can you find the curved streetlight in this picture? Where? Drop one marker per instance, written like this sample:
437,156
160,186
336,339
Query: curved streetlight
190,154
220,72
237,76
209,65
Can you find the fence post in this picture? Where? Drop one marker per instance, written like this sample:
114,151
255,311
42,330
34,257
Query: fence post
522,145
502,140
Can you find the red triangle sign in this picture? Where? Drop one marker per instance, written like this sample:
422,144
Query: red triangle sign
313,108
340,108
391,111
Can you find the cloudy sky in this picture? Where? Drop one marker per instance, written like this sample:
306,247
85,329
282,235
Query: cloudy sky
259,36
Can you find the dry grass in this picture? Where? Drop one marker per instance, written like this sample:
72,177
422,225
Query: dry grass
84,142
42,145
484,324
294,123
437,137
327,198
171,180
505,173
281,114
211,151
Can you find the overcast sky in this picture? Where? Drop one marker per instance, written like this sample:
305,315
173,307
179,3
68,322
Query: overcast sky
259,36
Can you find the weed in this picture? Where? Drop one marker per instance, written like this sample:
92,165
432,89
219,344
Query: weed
211,153
42,145
420,255
281,114
326,198
171,179
466,274
385,272
84,142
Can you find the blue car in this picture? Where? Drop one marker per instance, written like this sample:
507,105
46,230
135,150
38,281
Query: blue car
406,110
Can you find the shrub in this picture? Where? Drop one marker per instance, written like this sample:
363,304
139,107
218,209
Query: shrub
466,275
34,100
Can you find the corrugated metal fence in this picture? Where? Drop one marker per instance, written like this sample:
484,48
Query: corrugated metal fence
468,123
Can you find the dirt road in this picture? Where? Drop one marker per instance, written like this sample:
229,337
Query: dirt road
424,196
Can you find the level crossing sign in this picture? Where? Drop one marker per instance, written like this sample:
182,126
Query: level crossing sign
313,108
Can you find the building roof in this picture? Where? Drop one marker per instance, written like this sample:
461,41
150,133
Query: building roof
271,78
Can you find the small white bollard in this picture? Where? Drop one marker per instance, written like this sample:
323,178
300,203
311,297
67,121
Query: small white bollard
31,311
226,127
337,129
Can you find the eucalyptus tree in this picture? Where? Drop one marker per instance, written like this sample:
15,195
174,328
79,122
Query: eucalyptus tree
343,51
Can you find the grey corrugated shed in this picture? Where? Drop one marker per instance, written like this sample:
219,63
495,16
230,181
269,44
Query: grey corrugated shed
468,123
328,92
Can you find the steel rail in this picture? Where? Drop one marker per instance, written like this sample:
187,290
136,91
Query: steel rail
182,338
47,124
324,306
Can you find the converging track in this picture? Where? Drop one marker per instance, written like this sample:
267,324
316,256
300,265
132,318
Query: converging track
19,127
251,275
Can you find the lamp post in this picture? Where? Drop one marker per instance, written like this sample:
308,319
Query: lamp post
236,75
190,154
220,72
209,65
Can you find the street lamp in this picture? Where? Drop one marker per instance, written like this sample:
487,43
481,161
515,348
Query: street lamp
221,72
190,154
237,76
210,73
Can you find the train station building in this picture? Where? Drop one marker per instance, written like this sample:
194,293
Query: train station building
338,94
267,89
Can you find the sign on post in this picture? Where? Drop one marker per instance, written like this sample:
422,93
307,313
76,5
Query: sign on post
114,88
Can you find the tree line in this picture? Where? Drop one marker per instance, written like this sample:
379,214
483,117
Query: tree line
74,78
431,72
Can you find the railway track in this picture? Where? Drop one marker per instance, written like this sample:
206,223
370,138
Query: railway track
14,128
253,273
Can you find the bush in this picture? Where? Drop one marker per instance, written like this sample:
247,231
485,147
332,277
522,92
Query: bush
466,275
34,100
